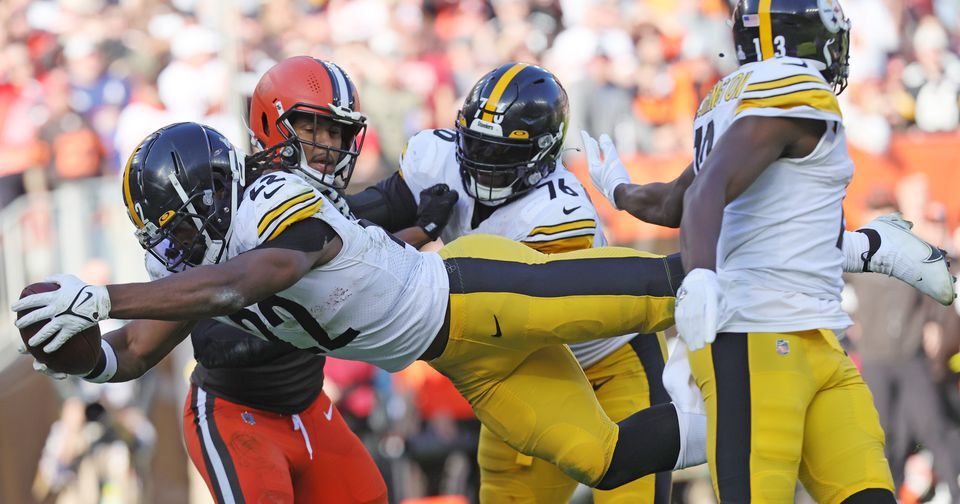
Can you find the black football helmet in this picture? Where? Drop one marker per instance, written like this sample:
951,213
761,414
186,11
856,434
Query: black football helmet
816,30
181,187
510,132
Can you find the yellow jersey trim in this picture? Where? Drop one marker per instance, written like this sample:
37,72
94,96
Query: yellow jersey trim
784,82
566,226
819,99
296,217
268,219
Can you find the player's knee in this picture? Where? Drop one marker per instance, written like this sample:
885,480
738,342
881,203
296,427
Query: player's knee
871,496
586,462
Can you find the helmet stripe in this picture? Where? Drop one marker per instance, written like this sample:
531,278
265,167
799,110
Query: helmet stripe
342,94
766,30
499,88
127,197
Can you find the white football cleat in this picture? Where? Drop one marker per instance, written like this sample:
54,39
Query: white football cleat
895,251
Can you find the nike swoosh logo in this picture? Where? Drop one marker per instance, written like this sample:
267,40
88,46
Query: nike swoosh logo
569,211
935,254
329,413
802,64
498,333
255,192
597,384
89,295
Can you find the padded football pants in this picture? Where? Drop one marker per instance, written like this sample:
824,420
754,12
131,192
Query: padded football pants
512,309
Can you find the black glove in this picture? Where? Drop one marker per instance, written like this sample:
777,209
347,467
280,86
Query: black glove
436,203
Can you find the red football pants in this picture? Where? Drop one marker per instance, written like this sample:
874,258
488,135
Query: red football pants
251,455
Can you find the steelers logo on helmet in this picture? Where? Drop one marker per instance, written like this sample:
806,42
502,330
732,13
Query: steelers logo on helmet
182,187
510,132
831,12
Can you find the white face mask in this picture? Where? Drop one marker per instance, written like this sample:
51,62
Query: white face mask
488,196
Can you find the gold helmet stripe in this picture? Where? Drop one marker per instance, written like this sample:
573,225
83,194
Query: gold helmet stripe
127,197
499,88
766,30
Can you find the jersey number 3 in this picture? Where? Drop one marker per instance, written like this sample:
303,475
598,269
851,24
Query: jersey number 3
272,309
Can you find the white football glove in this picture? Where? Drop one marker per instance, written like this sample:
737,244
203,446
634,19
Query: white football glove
73,307
41,368
607,174
698,307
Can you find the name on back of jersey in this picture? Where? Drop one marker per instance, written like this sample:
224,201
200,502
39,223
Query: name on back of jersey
728,89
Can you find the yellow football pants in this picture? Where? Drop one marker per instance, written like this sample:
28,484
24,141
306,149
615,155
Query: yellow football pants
787,405
512,309
626,381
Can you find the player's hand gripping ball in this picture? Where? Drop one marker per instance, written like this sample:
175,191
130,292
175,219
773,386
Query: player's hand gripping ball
77,356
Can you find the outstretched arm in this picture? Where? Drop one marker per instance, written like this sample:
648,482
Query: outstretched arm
659,203
219,289
200,292
142,344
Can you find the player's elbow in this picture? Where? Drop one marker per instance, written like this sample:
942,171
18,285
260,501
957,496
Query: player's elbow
229,299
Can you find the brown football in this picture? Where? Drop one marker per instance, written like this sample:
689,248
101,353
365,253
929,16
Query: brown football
77,356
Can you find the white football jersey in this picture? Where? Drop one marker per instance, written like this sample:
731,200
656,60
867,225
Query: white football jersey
378,301
778,258
555,216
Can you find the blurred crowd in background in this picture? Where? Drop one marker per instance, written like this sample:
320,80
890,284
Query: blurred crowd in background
83,81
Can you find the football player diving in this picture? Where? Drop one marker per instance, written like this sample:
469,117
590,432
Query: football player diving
272,256
764,244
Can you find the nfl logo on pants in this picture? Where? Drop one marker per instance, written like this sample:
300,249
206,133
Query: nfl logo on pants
783,347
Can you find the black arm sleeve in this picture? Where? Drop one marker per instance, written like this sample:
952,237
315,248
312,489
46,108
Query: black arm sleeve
307,235
388,204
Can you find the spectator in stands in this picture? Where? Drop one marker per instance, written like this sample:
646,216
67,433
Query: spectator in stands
20,148
74,148
934,78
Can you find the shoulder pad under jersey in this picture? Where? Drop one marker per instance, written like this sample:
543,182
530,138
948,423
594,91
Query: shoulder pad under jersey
272,203
426,157
787,87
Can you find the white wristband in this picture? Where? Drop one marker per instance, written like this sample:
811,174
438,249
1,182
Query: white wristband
110,365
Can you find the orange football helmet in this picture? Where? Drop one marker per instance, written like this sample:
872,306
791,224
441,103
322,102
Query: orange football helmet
316,88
